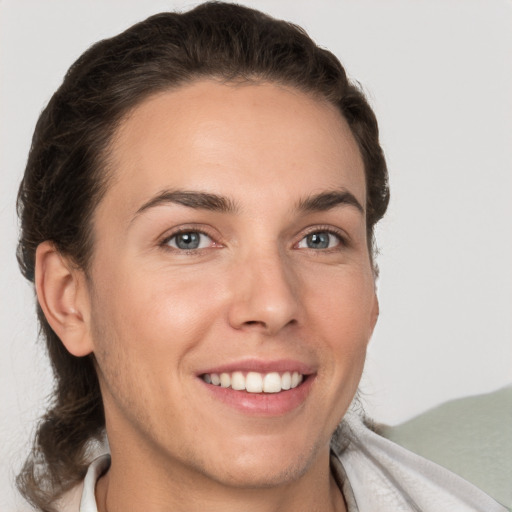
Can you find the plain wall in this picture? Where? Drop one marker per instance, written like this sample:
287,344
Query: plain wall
439,76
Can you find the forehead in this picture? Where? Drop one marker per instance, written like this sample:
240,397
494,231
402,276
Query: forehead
233,139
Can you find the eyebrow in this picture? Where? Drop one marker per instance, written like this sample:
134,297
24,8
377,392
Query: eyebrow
217,203
191,199
327,200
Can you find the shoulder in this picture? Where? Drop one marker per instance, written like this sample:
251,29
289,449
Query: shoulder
400,479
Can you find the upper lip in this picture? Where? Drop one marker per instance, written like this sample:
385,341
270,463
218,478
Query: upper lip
261,366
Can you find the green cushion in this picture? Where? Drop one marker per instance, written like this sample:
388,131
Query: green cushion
469,436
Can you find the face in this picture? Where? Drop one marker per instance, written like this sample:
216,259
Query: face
231,246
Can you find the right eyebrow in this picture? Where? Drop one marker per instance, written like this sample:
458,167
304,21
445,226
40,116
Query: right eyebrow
328,200
191,199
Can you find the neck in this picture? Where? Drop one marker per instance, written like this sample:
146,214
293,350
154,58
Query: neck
131,484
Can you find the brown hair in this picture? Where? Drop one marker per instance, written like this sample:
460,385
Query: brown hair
67,173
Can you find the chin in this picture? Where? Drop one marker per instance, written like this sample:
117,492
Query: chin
267,466
261,476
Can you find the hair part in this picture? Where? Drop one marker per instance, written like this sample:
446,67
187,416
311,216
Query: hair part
67,173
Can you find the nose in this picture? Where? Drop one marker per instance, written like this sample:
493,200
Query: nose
264,294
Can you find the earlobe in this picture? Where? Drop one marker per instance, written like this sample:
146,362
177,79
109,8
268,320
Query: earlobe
63,297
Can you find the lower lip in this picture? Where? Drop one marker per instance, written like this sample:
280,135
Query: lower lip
263,404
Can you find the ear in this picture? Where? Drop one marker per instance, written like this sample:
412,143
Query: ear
63,296
374,312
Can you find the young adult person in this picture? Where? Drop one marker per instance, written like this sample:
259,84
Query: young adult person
197,217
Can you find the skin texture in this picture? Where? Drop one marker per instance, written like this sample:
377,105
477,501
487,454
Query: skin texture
156,316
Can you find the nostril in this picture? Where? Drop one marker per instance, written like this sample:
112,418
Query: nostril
264,325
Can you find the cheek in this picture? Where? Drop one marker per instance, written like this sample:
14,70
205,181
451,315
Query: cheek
341,311
178,308
148,326
144,328
343,304
158,306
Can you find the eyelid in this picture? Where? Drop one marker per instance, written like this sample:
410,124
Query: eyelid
164,239
341,234
203,243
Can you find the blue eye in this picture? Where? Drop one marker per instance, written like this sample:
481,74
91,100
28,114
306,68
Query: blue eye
189,240
319,240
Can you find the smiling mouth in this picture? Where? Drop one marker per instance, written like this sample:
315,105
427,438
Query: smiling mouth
255,382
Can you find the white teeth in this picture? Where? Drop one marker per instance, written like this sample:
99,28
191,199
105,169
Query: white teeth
225,380
286,380
255,382
272,383
296,379
238,381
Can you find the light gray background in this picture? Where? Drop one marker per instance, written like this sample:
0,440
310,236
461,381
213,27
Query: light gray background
439,76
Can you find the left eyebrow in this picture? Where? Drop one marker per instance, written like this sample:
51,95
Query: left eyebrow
191,199
327,200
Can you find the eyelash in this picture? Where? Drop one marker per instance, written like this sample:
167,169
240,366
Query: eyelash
201,231
192,252
343,242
